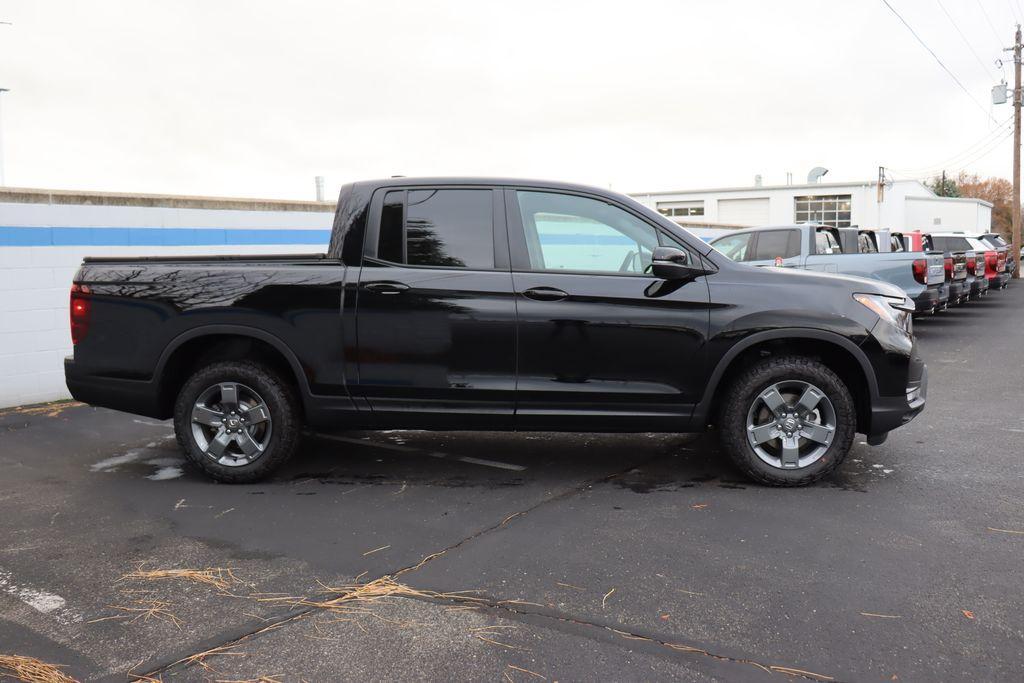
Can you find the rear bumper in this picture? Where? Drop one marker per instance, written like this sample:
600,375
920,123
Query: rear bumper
958,291
128,395
928,301
979,287
1001,280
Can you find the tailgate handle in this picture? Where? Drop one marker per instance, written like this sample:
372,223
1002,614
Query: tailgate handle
545,294
385,287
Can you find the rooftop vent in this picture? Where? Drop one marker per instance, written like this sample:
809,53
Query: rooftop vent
816,173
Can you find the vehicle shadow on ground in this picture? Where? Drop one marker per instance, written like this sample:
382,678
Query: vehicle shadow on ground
642,463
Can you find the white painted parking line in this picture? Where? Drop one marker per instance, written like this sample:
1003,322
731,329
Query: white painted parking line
41,601
419,451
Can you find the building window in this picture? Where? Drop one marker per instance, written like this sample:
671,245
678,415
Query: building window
831,210
681,208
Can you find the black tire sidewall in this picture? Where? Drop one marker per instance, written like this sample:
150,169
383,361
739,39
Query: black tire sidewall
280,400
744,391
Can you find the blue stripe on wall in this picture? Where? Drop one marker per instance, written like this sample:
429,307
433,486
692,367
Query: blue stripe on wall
11,236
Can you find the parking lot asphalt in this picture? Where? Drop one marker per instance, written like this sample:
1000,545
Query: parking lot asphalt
530,557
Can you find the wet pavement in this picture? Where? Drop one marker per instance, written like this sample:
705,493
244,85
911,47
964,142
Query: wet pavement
572,557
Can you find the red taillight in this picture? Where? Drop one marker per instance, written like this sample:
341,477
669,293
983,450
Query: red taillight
949,268
970,265
991,259
80,310
920,270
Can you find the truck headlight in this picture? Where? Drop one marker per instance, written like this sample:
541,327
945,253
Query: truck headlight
892,309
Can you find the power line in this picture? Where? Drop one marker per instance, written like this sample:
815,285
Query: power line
962,36
985,139
962,164
989,21
932,53
1013,10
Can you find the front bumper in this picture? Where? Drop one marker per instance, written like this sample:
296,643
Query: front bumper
890,412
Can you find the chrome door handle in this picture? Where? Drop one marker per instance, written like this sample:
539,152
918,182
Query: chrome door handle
545,294
385,287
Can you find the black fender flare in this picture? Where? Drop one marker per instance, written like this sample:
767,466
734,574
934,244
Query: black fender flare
239,331
701,410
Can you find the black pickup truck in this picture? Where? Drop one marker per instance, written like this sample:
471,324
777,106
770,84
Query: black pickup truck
496,304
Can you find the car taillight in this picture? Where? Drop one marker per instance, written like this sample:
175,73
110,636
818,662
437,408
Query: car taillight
1002,262
948,262
920,270
991,259
970,265
81,308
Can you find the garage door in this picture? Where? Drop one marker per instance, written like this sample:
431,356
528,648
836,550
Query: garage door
743,211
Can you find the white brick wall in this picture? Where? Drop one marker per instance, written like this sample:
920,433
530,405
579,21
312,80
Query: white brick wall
35,280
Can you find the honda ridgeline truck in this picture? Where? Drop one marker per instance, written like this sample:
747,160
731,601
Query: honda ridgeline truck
490,304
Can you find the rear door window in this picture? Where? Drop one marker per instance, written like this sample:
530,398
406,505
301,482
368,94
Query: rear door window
865,244
449,228
825,242
736,247
773,244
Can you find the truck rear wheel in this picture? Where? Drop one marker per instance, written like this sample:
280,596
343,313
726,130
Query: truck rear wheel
237,421
787,421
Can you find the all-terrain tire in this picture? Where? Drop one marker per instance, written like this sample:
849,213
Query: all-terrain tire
281,401
744,390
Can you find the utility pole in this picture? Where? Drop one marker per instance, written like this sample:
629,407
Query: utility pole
1016,153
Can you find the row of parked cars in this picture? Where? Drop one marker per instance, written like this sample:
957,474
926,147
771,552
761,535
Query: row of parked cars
937,269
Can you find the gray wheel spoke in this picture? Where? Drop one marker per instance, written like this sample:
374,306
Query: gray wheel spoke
773,399
207,416
818,433
218,444
246,443
229,395
257,414
809,400
790,452
241,418
764,433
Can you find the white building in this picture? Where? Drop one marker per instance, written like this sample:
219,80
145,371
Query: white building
905,205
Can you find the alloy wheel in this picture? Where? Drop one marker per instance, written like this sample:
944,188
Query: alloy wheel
790,424
231,424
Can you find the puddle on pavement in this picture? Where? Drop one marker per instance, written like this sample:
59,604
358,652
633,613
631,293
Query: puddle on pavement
142,460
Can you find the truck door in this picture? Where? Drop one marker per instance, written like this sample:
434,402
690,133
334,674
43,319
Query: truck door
601,343
435,315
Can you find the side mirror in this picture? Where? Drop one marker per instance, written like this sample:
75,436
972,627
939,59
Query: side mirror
669,263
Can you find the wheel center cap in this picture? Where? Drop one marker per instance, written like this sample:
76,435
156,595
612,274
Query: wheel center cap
232,422
789,424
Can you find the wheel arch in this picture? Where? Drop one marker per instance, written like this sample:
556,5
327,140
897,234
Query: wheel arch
838,353
210,343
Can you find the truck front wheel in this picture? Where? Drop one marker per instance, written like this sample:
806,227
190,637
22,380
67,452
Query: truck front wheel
787,421
237,421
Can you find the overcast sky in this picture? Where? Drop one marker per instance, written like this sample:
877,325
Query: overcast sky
253,98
